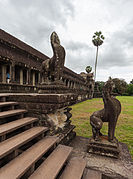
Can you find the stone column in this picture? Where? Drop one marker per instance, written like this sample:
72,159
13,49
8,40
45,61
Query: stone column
27,77
39,78
21,76
33,77
72,84
3,73
12,73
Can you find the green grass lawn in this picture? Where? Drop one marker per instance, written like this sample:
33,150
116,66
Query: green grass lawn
124,130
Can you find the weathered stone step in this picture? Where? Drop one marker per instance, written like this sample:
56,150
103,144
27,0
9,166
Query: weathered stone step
10,113
11,126
50,168
17,167
74,169
3,104
92,174
12,144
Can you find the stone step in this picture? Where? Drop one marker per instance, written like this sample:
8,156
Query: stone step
51,167
21,164
10,113
11,126
12,144
92,174
74,169
4,104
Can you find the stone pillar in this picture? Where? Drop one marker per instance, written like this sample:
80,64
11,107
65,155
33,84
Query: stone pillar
21,76
73,85
12,73
3,73
33,77
27,77
39,78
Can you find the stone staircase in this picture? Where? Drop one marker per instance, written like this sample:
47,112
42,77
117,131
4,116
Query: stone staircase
27,152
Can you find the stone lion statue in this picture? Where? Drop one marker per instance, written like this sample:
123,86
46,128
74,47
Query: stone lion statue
109,113
53,67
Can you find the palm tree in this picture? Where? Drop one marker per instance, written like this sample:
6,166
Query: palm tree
97,40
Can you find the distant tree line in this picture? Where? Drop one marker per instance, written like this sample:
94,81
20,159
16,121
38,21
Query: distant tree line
121,87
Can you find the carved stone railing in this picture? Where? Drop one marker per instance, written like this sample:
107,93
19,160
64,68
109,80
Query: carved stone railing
17,88
75,79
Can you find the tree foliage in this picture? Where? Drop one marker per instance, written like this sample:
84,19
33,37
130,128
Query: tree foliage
97,40
130,89
88,69
131,82
120,86
100,85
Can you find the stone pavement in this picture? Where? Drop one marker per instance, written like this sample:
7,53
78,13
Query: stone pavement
121,168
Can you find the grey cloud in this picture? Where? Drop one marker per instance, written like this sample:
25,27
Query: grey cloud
113,52
79,55
116,51
126,36
51,10
78,60
113,56
34,21
75,45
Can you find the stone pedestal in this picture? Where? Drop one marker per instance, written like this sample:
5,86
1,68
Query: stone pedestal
104,147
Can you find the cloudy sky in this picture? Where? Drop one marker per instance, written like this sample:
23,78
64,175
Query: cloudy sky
75,21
